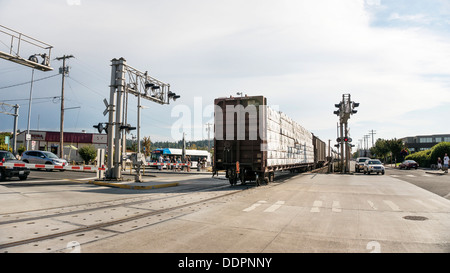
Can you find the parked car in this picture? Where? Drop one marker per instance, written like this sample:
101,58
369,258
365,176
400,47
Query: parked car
359,166
43,157
373,166
7,171
408,164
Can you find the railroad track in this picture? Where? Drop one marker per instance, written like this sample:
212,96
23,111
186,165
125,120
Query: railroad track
51,214
140,208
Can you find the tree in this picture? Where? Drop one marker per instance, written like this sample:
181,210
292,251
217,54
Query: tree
88,153
395,147
381,149
147,144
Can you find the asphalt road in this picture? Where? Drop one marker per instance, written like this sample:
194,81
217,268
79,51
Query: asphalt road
401,211
433,181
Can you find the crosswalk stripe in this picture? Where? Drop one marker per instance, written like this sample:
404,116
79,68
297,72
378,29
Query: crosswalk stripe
254,206
392,205
274,207
316,206
336,207
371,204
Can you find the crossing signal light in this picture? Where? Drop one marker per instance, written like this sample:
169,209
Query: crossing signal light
100,127
347,139
338,112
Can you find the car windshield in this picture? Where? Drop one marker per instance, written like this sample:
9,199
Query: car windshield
50,155
7,156
373,162
362,159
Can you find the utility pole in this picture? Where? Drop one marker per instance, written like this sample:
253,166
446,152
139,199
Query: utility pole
64,70
372,132
209,139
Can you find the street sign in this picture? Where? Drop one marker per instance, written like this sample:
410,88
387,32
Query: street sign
107,107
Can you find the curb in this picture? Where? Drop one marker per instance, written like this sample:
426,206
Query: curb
436,173
115,185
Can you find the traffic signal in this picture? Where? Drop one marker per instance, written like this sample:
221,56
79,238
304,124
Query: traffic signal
127,128
338,112
347,139
100,127
354,105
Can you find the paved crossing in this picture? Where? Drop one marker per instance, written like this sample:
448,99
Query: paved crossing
335,206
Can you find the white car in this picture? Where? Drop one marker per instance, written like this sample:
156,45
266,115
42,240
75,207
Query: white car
359,165
373,166
43,157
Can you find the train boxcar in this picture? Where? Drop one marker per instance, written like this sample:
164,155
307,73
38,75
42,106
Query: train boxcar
252,141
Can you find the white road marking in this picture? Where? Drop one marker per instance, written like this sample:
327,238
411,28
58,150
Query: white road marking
254,206
274,207
371,204
424,204
316,206
392,205
410,175
336,207
394,175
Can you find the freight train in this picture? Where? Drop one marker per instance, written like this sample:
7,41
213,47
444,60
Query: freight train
252,141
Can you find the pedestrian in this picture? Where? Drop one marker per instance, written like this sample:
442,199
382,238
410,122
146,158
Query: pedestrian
189,163
198,164
446,161
439,163
160,160
178,164
172,160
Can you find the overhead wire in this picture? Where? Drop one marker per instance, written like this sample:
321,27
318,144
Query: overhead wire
28,82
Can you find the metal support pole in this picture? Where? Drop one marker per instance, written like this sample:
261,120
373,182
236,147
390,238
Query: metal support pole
342,146
120,84
16,118
111,126
139,124
347,150
29,109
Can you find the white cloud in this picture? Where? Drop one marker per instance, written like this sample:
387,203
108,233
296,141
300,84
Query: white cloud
301,54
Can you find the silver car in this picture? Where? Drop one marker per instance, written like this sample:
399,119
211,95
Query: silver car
43,157
373,166
359,166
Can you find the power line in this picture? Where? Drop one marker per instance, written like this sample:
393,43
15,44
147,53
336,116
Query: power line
14,85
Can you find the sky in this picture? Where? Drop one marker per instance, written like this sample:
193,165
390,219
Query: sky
393,57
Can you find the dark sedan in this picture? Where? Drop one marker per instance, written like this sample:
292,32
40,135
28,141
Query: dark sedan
10,171
409,164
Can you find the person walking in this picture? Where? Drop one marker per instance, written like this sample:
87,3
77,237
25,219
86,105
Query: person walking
189,163
446,161
160,160
439,163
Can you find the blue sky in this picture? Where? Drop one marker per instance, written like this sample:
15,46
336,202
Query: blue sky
391,56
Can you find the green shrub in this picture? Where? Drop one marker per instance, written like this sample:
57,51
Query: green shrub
87,153
422,157
439,150
428,157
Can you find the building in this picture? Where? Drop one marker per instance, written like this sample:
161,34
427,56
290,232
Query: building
421,143
49,141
